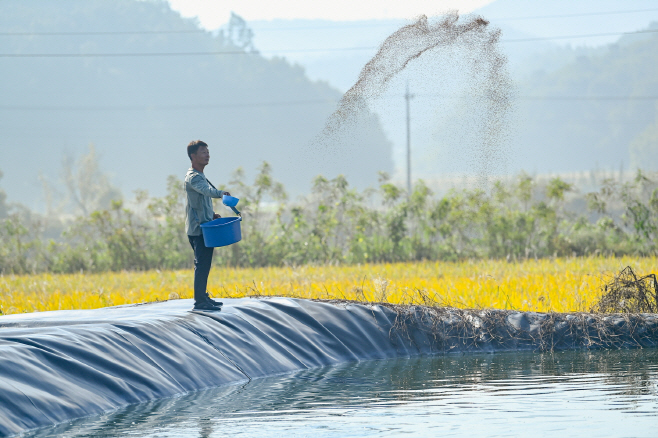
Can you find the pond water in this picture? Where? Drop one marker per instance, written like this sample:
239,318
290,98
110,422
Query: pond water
562,394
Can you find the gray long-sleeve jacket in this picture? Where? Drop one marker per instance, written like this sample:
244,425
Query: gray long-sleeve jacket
199,203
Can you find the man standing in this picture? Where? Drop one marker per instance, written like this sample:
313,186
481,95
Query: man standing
199,210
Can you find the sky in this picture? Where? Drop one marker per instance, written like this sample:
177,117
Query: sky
214,13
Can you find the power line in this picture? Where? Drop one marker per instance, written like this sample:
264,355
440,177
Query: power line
445,96
285,103
166,107
584,14
241,52
357,26
578,36
590,98
343,26
118,32
152,54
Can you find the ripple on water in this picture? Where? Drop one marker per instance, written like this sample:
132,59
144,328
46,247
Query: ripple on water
604,393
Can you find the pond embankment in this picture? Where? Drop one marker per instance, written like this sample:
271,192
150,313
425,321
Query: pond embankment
55,366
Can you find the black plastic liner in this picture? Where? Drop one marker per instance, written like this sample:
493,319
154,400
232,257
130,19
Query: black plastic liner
56,366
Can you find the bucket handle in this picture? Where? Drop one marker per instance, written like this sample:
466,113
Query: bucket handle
235,210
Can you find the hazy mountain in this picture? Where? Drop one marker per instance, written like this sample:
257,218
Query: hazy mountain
598,111
141,111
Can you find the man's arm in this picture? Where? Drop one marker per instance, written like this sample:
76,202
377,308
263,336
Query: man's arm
200,185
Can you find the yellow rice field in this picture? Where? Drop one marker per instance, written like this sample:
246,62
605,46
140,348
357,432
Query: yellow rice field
561,285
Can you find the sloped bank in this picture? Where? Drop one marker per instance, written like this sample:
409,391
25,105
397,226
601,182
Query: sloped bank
55,366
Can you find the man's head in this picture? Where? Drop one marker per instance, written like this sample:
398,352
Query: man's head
198,153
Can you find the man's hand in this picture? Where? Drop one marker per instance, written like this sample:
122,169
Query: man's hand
216,216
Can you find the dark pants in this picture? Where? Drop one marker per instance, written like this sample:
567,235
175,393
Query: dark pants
202,262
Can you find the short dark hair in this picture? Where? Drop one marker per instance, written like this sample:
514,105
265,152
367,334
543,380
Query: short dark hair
194,146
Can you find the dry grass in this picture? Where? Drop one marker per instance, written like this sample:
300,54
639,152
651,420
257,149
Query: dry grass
562,285
628,293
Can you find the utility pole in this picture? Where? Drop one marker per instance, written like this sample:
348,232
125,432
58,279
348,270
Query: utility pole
408,97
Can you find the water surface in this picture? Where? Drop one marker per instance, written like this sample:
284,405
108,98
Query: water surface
564,394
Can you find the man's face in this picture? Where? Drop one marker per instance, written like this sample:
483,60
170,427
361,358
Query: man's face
202,156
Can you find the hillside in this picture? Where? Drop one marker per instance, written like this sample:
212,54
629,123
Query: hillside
141,111
599,110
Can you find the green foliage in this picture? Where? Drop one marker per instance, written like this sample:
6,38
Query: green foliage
16,245
338,224
557,188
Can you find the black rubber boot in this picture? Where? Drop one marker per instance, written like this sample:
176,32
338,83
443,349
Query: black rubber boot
206,305
215,303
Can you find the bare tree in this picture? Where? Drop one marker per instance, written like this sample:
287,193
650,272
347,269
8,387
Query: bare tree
239,33
88,188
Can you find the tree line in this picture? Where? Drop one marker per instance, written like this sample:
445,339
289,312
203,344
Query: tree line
338,224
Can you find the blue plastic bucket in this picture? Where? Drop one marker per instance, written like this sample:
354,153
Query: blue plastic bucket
221,232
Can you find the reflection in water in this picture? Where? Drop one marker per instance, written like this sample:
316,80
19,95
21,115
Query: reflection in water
505,394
